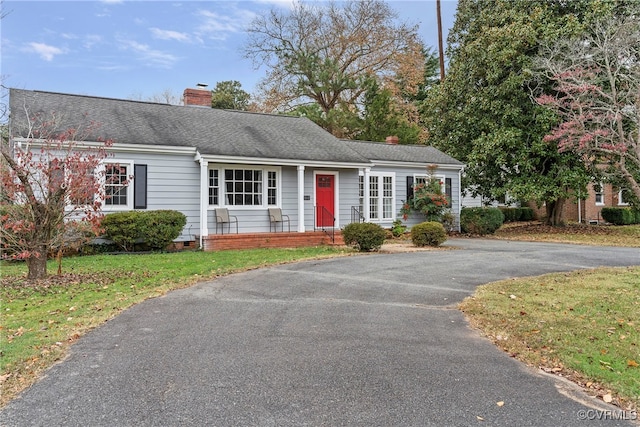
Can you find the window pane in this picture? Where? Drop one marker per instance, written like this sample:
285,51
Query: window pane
116,185
244,186
214,187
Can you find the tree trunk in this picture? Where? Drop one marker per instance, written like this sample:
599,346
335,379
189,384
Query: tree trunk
555,212
37,266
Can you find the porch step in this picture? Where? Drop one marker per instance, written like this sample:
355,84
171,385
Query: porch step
220,242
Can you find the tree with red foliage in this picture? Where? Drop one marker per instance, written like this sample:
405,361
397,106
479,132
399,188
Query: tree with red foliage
51,179
596,84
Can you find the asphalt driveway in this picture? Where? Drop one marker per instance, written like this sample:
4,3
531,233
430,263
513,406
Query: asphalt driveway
370,340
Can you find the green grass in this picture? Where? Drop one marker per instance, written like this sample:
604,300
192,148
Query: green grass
40,320
584,325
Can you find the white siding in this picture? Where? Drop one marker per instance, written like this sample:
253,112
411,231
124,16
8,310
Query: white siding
401,175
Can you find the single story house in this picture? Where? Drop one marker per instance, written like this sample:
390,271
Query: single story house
199,160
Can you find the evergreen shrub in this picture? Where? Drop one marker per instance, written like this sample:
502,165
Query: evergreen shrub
429,233
481,220
364,236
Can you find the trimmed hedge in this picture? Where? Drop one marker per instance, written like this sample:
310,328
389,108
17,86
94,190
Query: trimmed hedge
154,230
621,216
517,214
481,220
429,233
364,236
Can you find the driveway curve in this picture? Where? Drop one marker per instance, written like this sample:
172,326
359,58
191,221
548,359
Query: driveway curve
370,340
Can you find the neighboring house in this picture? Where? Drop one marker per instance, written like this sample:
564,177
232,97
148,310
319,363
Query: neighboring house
196,159
588,210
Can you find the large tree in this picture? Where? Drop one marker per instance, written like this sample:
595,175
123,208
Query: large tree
325,53
50,180
229,95
483,114
596,92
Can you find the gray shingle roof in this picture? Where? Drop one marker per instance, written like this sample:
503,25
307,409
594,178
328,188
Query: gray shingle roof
210,131
401,153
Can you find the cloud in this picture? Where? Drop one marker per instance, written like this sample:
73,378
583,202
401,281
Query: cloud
217,26
90,40
285,4
46,52
147,54
169,35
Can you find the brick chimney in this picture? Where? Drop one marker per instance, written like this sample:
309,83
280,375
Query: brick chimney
200,97
392,140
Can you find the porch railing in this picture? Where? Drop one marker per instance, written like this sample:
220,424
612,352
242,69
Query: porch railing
356,215
323,216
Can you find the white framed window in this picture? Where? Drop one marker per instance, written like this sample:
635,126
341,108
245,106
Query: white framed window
381,196
598,188
445,185
361,193
243,186
423,179
214,187
118,188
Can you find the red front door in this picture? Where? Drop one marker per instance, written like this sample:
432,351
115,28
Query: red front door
325,200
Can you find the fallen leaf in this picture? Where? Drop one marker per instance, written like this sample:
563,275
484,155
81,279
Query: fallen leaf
501,403
607,398
632,363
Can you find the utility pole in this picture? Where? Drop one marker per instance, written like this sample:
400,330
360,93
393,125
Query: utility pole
440,49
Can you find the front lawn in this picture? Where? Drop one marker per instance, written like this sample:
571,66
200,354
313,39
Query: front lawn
583,325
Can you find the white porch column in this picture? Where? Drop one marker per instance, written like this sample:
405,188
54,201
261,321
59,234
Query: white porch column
301,199
204,199
366,203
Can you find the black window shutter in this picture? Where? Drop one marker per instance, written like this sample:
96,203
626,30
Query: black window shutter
140,186
447,190
409,187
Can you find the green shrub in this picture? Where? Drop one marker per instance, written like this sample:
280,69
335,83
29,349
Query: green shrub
123,228
398,228
620,216
526,214
364,236
510,214
428,234
517,214
156,229
480,220
162,227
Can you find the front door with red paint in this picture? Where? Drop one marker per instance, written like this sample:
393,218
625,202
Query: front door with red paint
325,200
